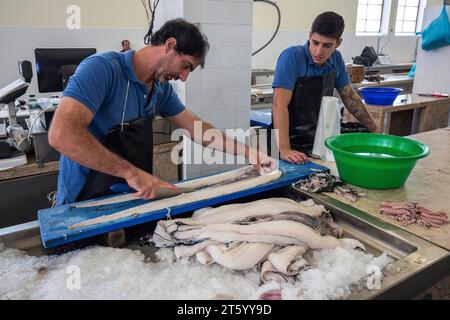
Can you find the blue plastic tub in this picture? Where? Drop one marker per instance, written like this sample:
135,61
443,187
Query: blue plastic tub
380,96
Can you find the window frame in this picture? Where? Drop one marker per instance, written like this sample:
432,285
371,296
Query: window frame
419,18
384,20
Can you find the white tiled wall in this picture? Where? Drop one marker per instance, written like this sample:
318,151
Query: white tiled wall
219,93
400,48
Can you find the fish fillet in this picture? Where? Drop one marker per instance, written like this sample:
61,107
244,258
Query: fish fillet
281,233
244,256
196,184
203,194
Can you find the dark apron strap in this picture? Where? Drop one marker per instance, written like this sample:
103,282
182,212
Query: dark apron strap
134,143
304,109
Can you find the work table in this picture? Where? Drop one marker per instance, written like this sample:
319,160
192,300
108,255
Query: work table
400,80
392,67
410,113
261,93
428,184
32,168
414,269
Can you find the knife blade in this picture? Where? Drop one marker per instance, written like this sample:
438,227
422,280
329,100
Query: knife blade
160,192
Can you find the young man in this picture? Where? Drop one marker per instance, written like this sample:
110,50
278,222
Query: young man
103,125
303,75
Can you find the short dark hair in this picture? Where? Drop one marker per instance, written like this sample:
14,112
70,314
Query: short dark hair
190,40
329,24
123,41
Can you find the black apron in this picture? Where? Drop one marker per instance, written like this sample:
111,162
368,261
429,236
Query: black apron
304,109
132,141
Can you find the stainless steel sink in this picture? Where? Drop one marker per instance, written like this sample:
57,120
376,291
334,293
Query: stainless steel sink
417,263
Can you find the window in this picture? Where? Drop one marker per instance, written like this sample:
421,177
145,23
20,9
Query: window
407,16
370,16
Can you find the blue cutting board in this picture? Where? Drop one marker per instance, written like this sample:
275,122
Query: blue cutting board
54,223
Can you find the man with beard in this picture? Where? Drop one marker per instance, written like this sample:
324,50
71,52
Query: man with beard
103,125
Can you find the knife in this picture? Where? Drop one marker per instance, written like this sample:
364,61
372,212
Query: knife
434,94
160,192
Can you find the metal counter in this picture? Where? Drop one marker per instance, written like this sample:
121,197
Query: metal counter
417,263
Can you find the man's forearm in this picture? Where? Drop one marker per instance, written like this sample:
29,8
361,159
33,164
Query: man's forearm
84,149
218,140
281,123
354,104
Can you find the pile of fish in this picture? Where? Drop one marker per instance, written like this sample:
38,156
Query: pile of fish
325,182
412,212
351,194
270,234
319,182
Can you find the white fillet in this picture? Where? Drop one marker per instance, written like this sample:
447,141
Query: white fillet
289,260
260,208
182,199
269,273
281,233
242,257
196,183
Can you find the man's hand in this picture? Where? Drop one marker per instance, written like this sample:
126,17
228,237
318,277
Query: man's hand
265,164
293,156
261,161
145,184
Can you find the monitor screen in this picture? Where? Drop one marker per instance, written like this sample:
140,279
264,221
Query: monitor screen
55,66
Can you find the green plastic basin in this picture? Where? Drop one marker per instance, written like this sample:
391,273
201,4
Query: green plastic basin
375,161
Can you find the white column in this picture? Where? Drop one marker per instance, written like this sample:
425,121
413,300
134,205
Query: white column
219,93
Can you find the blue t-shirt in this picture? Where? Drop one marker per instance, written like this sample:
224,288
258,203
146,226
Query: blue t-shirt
100,83
295,62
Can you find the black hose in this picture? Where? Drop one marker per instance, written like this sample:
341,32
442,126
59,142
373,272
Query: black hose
150,18
278,24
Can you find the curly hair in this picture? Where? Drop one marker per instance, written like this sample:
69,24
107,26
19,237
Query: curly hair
190,40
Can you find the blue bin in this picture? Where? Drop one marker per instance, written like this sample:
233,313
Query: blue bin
381,96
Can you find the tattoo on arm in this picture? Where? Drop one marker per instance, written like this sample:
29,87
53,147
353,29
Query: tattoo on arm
354,104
